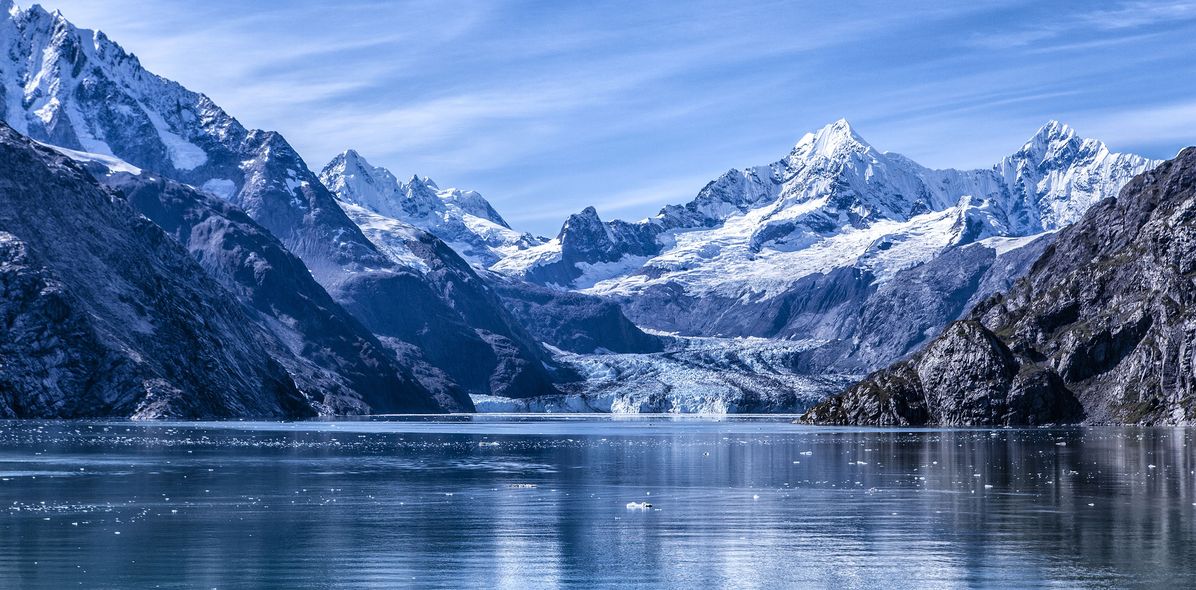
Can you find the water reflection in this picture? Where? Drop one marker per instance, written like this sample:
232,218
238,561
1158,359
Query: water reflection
517,504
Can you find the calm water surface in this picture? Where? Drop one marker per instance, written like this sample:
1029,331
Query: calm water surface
541,503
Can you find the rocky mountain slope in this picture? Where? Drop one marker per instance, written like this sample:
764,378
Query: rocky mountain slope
77,89
572,321
452,317
344,363
1099,331
106,315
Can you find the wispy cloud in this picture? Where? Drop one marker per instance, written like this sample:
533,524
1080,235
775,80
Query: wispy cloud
549,107
639,201
1173,122
1138,14
1112,23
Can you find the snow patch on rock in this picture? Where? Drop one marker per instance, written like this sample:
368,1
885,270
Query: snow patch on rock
220,187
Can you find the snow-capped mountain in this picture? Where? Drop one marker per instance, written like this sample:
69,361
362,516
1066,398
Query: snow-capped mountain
832,202
463,219
77,89
797,248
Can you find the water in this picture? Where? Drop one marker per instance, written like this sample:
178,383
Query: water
541,503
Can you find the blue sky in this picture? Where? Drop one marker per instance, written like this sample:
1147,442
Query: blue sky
546,107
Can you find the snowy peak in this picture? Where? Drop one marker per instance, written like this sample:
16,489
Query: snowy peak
77,89
1053,130
1054,133
832,160
421,199
834,177
1054,141
1057,175
833,140
355,181
470,202
463,219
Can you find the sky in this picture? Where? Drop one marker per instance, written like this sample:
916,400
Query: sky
547,107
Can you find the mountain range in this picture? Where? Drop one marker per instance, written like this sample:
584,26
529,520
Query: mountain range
353,292
831,243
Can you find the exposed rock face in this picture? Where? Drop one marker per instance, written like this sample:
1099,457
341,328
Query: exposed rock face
343,362
586,242
966,377
573,321
103,314
903,314
1100,330
441,310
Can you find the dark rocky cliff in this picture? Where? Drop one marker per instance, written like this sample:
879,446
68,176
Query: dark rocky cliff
1101,330
103,314
342,363
572,321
